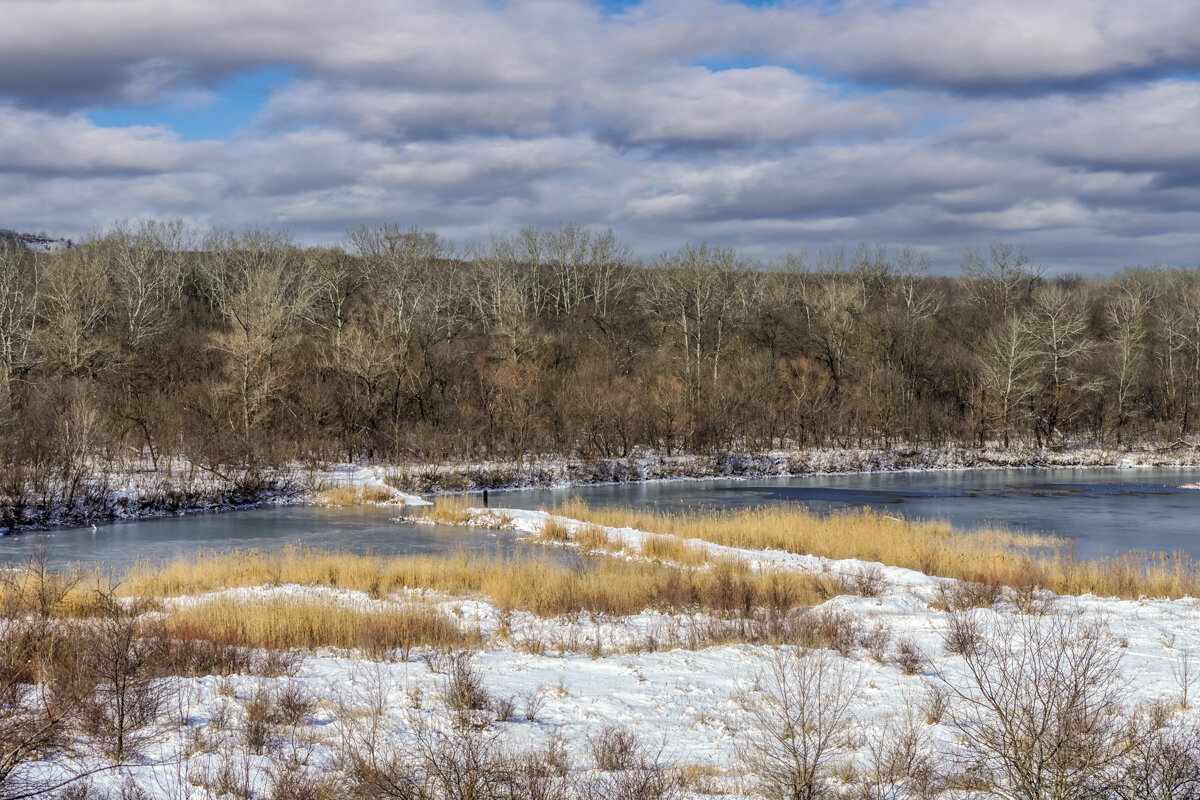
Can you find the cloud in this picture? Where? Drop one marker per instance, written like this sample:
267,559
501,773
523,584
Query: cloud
35,142
939,124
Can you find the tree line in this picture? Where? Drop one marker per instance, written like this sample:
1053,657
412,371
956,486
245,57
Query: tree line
153,341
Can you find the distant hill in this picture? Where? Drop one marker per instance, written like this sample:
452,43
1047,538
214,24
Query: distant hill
34,242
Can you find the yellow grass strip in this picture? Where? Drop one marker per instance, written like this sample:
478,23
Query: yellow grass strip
313,622
353,495
986,556
541,585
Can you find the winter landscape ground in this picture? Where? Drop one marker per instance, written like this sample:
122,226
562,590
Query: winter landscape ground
625,663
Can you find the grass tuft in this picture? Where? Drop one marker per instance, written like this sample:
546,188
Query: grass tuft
353,496
451,509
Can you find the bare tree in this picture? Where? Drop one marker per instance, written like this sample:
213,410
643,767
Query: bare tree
1126,313
258,284
75,309
1059,325
696,291
798,722
1002,276
1007,360
145,269
128,697
18,314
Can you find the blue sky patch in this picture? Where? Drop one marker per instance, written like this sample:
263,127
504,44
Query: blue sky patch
197,115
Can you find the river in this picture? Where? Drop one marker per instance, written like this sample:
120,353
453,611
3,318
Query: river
1102,512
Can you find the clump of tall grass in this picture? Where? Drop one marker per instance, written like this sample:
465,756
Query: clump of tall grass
588,536
594,537
461,509
451,509
353,495
673,550
554,530
986,556
542,585
306,623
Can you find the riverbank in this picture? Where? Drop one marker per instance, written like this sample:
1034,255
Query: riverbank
649,466
132,493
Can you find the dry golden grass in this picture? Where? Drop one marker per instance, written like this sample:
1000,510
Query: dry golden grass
451,509
540,585
674,550
555,531
36,590
594,537
458,509
291,623
983,556
353,495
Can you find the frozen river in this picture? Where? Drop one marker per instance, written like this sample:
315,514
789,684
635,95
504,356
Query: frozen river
1103,511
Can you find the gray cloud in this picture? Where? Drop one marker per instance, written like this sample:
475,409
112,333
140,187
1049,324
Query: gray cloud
1064,125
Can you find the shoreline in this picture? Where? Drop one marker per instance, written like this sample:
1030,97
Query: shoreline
148,495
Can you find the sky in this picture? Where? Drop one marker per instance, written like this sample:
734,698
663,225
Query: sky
1071,126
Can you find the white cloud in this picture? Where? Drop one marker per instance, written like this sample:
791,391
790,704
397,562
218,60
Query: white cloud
939,124
34,141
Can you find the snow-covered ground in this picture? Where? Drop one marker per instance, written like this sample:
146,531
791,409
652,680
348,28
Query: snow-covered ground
590,672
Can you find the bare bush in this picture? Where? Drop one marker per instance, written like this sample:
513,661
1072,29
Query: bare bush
614,749
648,782
292,780
909,657
128,696
825,628
504,707
900,762
1164,765
531,703
877,640
295,703
543,773
867,581
1183,670
963,634
262,713
798,722
1038,713
962,595
935,702
464,689
467,763
43,685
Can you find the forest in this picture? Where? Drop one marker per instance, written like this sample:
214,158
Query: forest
152,342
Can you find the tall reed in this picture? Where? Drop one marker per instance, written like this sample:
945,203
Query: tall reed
542,585
989,555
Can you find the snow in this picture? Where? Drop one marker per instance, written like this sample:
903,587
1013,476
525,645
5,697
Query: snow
691,703
365,477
